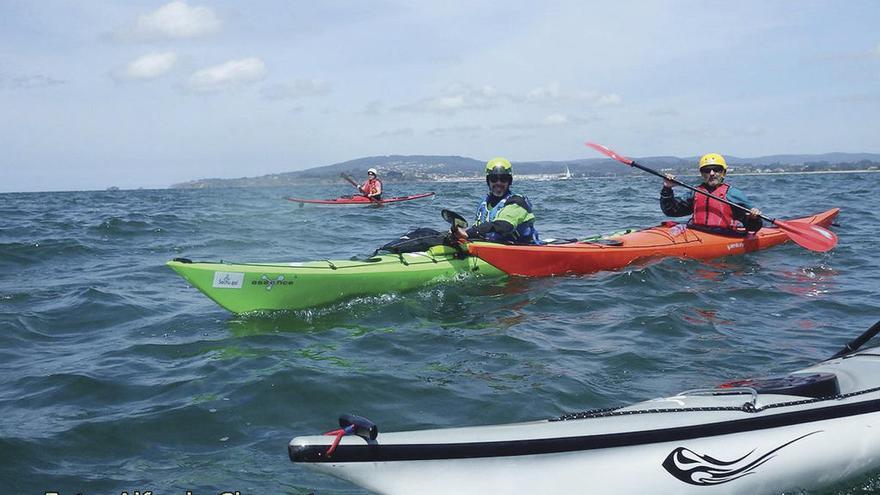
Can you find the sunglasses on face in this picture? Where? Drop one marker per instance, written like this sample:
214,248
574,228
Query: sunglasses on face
507,179
713,168
371,173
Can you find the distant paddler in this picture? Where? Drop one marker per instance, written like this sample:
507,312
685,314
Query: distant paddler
372,187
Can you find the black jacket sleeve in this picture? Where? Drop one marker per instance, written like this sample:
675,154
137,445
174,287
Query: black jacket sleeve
675,207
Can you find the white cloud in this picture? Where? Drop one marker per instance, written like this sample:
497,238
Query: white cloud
446,103
396,133
455,130
301,88
553,92
556,119
607,100
176,20
149,66
28,81
462,97
456,97
228,75
549,92
550,120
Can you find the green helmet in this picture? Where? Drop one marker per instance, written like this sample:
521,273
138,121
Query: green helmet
499,166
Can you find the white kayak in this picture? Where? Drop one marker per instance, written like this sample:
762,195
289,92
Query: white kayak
805,431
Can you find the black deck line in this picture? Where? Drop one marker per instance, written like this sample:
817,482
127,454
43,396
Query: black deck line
441,451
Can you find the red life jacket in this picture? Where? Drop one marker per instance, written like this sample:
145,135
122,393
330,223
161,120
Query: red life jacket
371,186
711,213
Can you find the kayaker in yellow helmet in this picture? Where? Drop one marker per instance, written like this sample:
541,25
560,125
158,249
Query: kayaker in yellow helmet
706,212
502,216
372,188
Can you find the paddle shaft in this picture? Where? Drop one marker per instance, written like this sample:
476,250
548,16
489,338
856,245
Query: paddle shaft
350,180
697,190
858,342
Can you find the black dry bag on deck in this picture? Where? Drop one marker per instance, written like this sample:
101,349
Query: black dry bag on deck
417,240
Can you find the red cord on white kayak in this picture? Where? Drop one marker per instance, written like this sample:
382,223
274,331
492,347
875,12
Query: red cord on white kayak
341,432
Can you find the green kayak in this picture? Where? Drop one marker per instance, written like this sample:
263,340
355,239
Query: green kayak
243,287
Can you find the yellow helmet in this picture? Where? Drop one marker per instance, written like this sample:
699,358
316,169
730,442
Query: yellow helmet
499,166
713,159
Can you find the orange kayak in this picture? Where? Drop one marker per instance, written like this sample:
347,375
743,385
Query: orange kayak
670,239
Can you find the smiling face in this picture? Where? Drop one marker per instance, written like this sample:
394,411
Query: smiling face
713,175
499,183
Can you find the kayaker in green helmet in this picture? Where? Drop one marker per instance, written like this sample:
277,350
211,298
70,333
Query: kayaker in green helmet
502,216
707,213
372,188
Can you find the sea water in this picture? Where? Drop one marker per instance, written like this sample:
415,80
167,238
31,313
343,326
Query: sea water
120,377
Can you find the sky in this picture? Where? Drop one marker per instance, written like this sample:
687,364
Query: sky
150,93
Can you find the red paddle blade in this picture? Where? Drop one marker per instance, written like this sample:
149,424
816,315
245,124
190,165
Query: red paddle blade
607,152
812,237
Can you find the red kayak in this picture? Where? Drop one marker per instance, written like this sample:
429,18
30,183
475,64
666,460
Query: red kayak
358,200
668,239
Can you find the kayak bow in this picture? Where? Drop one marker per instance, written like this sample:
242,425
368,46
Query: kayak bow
805,431
243,287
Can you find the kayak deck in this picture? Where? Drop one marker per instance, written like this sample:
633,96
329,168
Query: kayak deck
244,287
669,239
739,440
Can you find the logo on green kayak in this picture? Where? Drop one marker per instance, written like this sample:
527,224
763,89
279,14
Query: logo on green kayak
271,282
228,280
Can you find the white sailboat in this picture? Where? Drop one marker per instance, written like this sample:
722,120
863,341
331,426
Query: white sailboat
567,174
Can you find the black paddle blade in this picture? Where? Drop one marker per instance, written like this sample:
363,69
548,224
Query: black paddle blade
454,218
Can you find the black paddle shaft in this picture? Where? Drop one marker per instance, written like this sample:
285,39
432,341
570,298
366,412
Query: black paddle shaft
858,342
349,179
694,189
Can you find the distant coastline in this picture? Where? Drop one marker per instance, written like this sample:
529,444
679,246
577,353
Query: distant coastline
431,168
806,172
738,174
